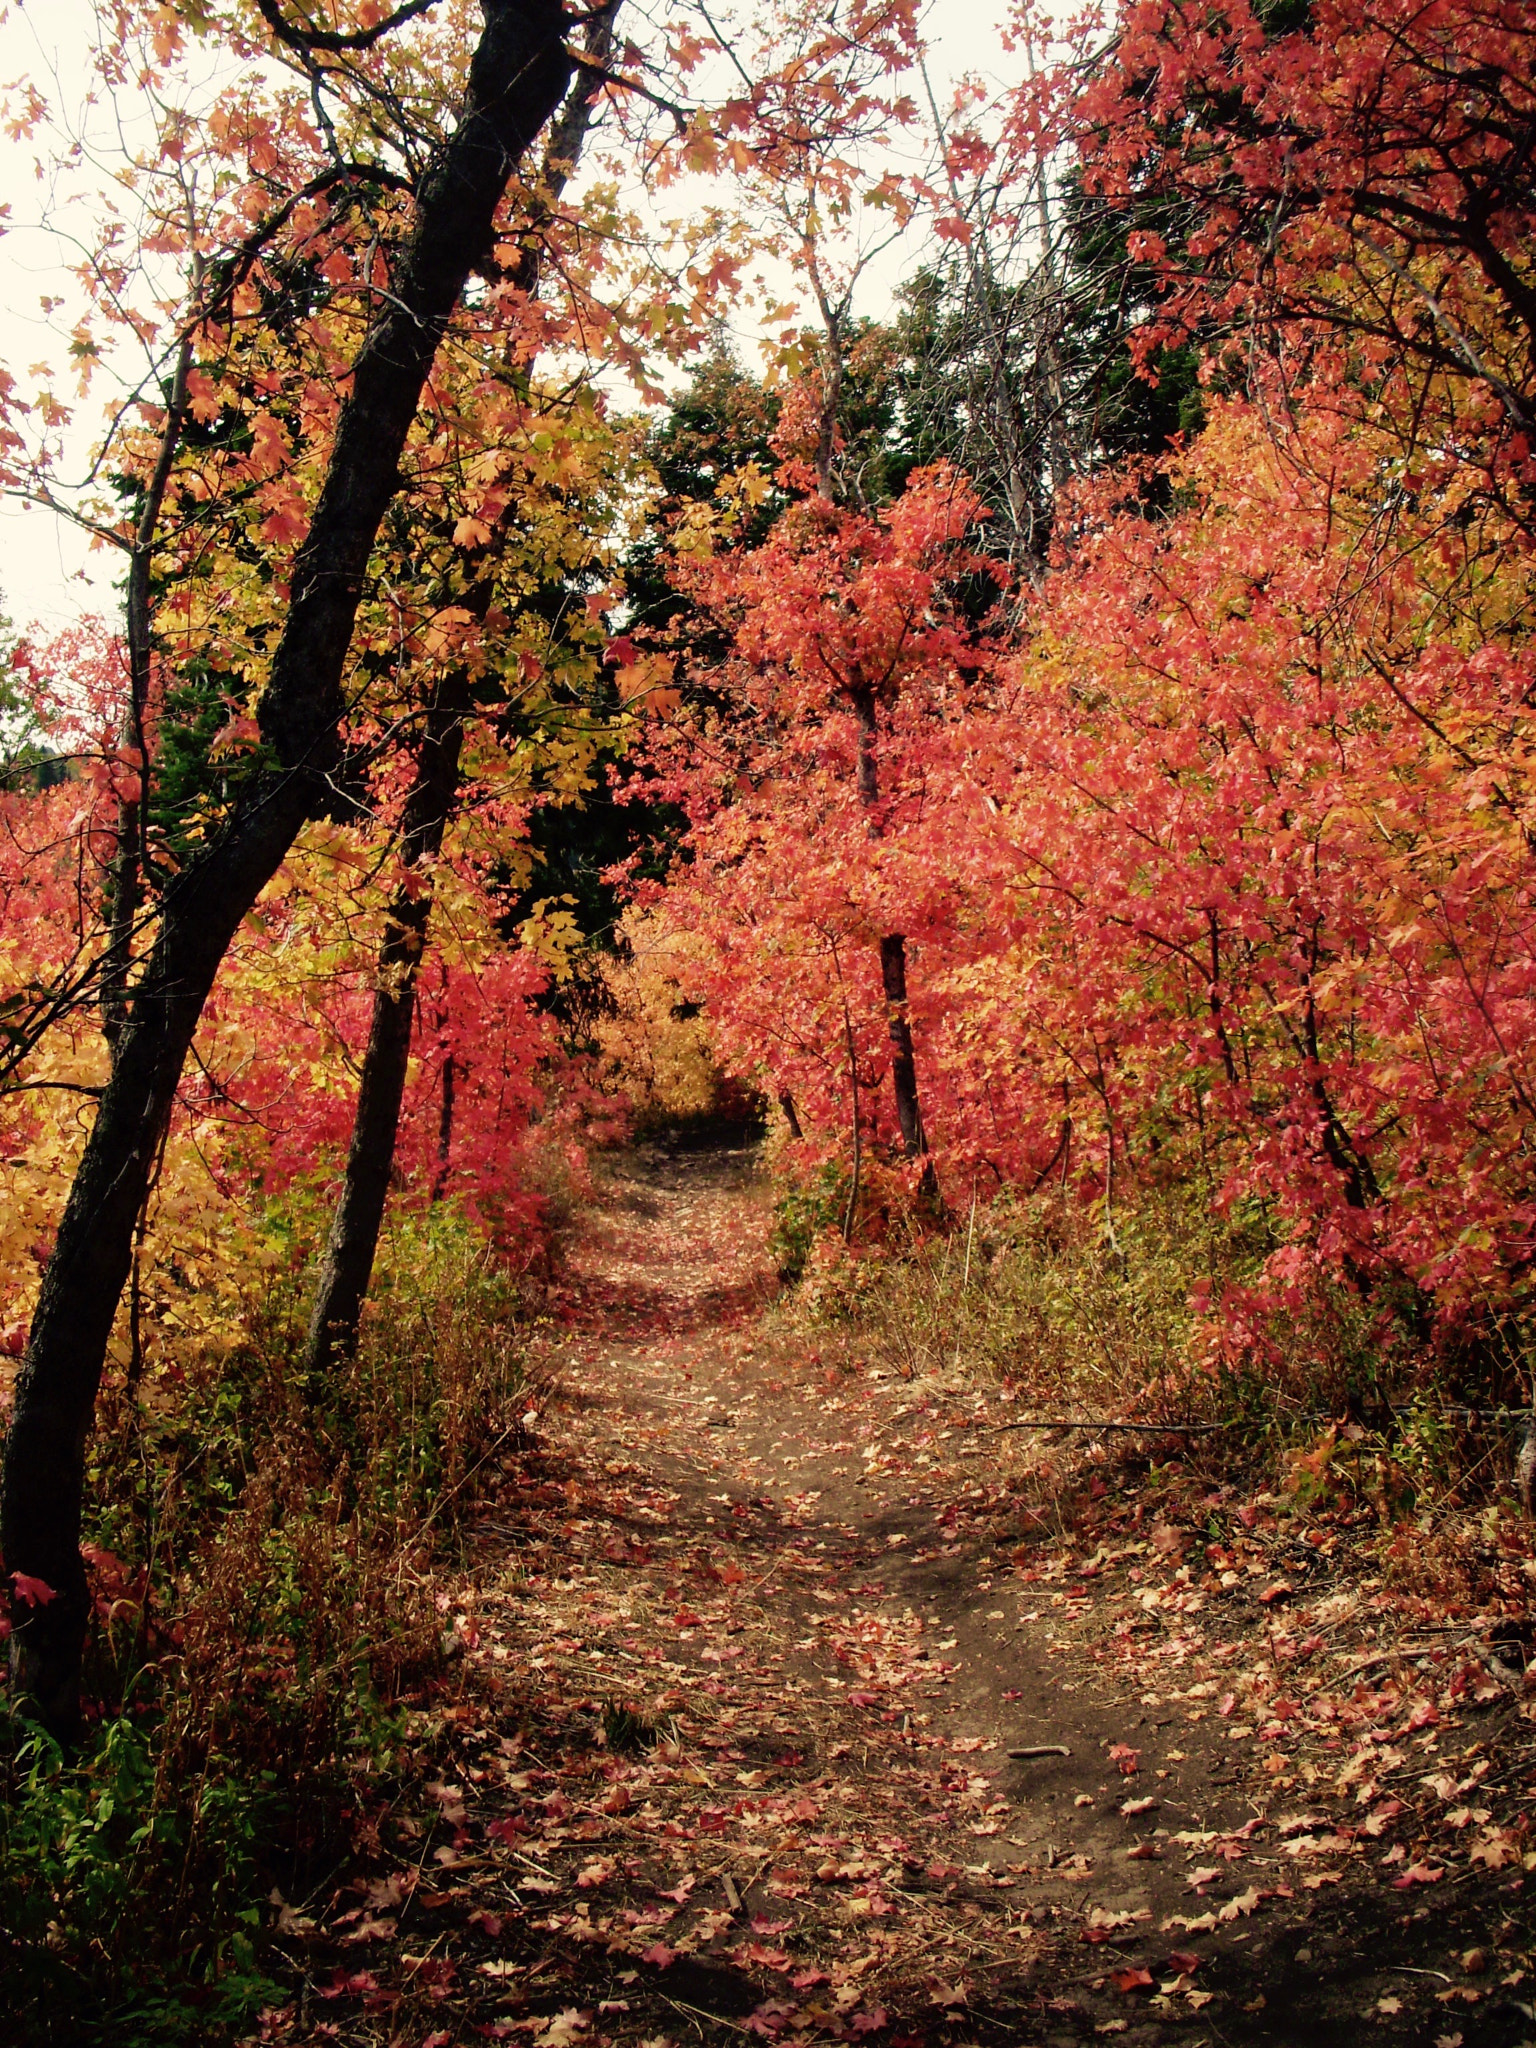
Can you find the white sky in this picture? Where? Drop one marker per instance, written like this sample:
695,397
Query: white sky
49,574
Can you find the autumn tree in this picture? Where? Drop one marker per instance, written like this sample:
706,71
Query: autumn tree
519,71
1352,184
851,655
429,804
358,179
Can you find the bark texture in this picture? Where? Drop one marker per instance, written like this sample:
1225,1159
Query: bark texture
517,77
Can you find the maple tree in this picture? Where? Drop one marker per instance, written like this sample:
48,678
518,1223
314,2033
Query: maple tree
429,804
1354,176
850,656
519,70
1122,973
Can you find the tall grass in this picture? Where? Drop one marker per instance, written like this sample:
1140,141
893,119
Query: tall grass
1080,1321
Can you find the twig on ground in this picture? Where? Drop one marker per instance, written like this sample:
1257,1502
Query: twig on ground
1146,1428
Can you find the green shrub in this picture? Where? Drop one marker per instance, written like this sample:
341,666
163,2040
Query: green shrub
1084,1321
125,1915
803,1214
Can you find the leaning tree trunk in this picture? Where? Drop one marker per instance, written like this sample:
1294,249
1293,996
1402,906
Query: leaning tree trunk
347,1265
517,76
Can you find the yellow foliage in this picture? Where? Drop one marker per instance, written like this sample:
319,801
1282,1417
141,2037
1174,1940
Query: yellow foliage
655,1044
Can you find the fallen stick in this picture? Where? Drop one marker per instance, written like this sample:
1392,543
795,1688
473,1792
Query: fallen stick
1451,1414
1043,1749
1152,1428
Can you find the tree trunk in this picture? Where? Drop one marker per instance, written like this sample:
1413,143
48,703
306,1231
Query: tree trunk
444,1131
909,1115
353,1242
126,883
347,1265
893,971
518,74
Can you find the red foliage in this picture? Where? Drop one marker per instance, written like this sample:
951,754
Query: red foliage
1218,876
1367,174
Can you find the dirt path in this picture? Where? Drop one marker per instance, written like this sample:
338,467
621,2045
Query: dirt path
744,1657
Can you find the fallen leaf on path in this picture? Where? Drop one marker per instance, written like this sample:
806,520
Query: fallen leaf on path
1244,1904
1100,1924
948,1996
1495,1850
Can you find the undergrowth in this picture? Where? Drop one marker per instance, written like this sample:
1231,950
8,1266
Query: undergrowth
264,1615
1078,1317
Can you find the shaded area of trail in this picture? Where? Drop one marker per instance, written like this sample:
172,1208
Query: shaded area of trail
743,1656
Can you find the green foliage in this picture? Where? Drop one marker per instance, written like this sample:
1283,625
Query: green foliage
85,1843
1342,1395
25,758
804,1213
626,1731
1036,1294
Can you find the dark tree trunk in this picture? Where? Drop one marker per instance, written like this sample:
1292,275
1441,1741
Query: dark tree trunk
352,1245
444,1131
518,74
125,886
893,970
347,1265
909,1114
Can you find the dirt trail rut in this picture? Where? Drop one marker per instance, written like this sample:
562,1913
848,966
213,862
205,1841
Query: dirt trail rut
742,1669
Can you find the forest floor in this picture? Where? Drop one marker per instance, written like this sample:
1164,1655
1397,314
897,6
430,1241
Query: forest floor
748,1635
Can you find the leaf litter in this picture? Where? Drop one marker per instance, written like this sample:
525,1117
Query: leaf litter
726,1751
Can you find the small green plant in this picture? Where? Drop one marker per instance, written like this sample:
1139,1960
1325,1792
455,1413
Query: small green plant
85,1843
804,1213
624,1729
